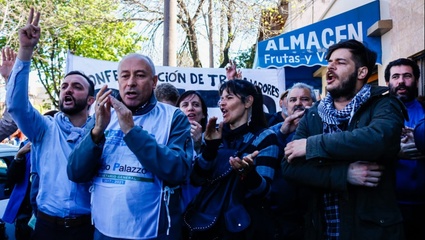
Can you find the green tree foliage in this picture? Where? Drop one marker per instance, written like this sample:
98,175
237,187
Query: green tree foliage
88,28
245,59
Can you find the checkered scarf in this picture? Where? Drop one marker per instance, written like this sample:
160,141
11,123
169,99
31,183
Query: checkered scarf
334,121
331,116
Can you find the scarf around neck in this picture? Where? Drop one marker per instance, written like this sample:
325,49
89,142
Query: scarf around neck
335,121
332,116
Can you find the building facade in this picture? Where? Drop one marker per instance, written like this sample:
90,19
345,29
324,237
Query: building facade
401,29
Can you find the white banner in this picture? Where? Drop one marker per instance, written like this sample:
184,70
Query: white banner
204,80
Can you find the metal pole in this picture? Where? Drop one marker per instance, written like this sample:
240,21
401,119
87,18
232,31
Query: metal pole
170,21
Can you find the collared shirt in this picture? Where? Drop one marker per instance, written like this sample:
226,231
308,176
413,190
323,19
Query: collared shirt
52,141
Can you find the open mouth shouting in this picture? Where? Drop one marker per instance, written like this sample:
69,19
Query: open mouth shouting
68,100
330,77
224,112
131,94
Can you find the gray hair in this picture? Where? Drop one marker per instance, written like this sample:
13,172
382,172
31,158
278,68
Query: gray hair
167,92
139,56
301,85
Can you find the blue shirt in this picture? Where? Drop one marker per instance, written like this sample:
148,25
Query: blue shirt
52,141
416,113
411,172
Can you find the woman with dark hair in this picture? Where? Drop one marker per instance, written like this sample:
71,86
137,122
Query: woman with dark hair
195,108
193,105
234,170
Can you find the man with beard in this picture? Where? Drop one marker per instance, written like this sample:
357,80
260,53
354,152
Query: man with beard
63,205
354,122
285,196
402,77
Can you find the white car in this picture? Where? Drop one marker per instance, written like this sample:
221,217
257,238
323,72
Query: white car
7,153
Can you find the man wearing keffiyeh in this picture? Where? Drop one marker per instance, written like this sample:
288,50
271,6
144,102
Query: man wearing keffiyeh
354,122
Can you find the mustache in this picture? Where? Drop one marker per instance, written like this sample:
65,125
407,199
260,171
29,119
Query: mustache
401,86
299,107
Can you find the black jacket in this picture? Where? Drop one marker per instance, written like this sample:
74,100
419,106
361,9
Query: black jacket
373,134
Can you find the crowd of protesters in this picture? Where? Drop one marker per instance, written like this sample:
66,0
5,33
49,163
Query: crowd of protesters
151,164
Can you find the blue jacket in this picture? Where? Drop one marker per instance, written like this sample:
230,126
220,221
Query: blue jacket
19,202
243,196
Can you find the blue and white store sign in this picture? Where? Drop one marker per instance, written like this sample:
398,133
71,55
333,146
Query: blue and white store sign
307,46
